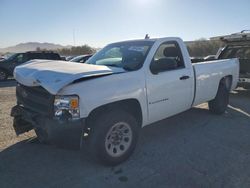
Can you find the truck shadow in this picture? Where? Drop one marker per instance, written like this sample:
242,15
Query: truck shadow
240,100
183,151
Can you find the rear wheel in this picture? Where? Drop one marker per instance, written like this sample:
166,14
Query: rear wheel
219,104
3,75
112,137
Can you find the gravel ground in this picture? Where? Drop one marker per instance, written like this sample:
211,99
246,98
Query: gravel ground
7,133
193,149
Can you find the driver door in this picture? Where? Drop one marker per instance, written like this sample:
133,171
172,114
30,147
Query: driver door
170,90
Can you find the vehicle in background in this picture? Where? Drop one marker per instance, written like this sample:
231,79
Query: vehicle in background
196,59
68,58
63,58
102,104
2,58
81,58
8,65
201,59
237,46
210,58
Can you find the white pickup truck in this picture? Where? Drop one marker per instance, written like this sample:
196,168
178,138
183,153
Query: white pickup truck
103,103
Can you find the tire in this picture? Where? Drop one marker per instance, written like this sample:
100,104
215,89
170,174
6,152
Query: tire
219,104
112,138
42,136
3,75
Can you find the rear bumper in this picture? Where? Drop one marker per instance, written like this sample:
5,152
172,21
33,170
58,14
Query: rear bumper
66,132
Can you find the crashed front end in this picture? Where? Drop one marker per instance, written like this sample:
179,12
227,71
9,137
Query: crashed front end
42,106
54,118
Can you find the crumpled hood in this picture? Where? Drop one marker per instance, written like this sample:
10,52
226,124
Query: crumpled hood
54,75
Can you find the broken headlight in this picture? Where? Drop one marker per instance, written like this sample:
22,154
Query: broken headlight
66,107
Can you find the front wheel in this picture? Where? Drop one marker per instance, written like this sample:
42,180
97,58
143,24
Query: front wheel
219,104
112,137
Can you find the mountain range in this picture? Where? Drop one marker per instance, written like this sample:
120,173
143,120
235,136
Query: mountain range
31,46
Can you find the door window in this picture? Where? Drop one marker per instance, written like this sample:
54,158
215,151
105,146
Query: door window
167,57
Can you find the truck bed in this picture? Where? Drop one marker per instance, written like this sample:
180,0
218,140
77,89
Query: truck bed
209,73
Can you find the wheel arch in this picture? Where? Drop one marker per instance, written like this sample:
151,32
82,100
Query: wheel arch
227,80
131,106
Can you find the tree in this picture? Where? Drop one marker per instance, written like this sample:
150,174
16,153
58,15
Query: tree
77,50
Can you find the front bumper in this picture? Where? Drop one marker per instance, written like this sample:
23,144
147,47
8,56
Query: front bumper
66,132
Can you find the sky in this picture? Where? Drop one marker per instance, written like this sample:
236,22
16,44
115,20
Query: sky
99,22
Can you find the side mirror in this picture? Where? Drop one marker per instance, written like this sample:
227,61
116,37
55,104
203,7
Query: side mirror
162,65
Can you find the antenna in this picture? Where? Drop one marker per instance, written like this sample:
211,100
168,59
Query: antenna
147,36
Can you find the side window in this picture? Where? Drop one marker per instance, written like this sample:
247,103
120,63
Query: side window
228,53
240,53
20,58
167,57
243,53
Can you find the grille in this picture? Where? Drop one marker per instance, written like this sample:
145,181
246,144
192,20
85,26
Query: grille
36,99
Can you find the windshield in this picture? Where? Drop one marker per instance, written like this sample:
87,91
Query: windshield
128,55
12,56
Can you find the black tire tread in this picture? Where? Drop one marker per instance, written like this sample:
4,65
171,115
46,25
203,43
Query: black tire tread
219,104
93,146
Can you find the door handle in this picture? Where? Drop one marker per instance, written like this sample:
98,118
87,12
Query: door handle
184,77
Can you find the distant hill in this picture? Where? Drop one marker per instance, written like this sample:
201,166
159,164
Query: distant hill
31,46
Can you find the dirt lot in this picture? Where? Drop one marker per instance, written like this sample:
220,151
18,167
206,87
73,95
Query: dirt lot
193,149
7,100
